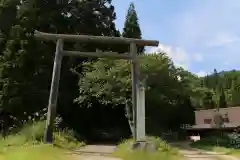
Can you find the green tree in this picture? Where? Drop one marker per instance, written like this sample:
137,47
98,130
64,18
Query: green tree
222,100
8,11
235,93
218,120
208,100
186,108
26,64
131,26
109,83
227,80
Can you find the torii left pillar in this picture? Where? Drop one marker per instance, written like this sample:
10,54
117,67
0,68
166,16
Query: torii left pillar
52,103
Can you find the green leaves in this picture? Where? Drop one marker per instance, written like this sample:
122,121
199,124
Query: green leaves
26,64
131,26
224,88
104,81
108,82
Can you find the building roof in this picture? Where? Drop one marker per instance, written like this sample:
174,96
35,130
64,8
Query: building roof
221,109
210,126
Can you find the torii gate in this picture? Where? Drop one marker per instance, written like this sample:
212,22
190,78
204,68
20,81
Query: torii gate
138,117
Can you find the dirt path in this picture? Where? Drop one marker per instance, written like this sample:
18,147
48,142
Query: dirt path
196,154
202,155
94,152
104,152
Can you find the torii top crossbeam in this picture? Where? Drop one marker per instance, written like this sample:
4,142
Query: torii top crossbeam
97,39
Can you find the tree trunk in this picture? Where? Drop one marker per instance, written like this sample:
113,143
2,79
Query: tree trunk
129,117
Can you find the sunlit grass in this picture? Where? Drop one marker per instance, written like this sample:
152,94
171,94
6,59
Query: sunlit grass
28,144
216,144
164,151
32,152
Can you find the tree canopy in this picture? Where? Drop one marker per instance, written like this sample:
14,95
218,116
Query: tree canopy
131,26
109,83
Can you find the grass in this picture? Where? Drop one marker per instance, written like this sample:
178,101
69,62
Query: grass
28,144
37,152
164,151
216,144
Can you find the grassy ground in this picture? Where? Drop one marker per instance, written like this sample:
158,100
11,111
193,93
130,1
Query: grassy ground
216,144
27,144
28,152
164,151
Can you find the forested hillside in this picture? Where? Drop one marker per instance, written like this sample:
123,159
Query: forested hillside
223,89
94,93
219,89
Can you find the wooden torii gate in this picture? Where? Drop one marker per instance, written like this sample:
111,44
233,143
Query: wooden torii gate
61,38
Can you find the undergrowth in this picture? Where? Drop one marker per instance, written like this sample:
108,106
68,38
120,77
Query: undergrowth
164,151
28,143
216,144
34,133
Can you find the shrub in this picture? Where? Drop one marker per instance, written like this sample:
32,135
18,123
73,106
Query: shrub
214,141
164,151
33,133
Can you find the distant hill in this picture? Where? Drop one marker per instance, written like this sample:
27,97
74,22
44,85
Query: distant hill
219,89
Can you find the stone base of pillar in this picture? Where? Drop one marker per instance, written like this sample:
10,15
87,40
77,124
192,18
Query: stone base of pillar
144,146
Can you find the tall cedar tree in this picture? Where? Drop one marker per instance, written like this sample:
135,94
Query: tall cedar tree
131,27
222,100
235,92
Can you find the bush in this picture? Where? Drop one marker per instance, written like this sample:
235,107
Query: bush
66,139
38,152
222,141
33,133
164,151
27,144
217,144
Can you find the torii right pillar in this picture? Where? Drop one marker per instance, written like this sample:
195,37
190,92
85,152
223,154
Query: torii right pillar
140,126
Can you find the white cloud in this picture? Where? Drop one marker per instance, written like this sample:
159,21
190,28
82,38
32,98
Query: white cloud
226,63
208,20
201,73
223,39
178,55
197,57
210,27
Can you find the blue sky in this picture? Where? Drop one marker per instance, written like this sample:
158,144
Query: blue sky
199,35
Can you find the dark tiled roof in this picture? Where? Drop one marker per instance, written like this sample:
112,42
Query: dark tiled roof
210,126
214,109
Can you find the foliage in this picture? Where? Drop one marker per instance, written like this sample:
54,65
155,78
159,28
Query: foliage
131,26
26,64
108,82
222,100
164,151
28,143
218,120
213,141
217,144
28,152
33,134
223,85
105,79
